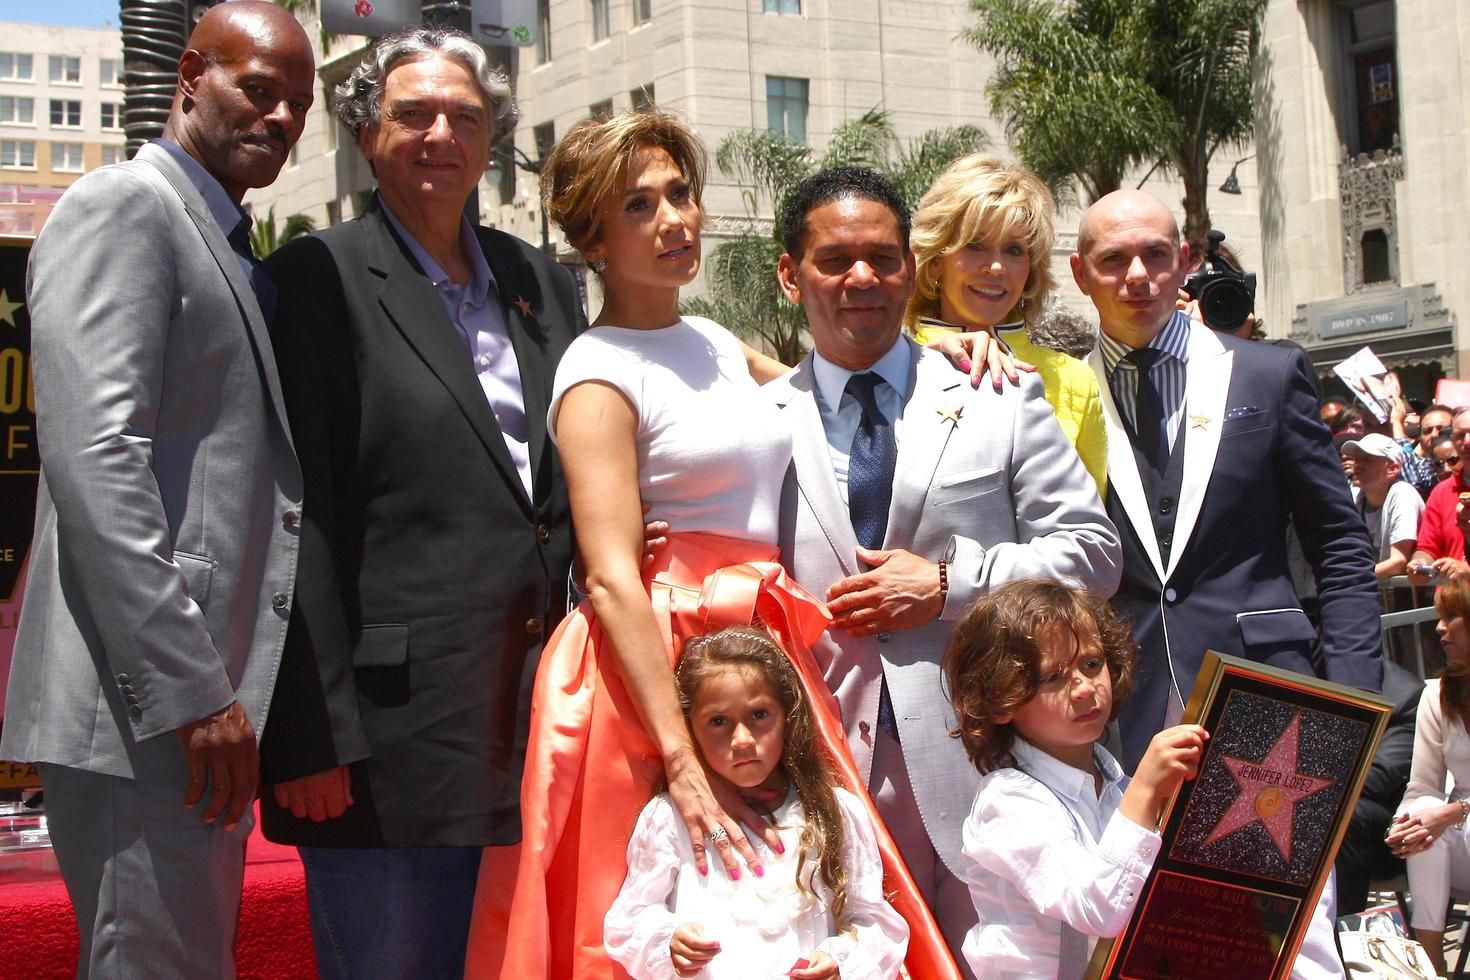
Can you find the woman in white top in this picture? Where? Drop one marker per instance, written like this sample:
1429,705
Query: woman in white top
1430,829
648,407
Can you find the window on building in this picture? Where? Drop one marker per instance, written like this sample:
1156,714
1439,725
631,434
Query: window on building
642,97
1371,97
65,70
16,67
600,110
544,136
601,27
642,11
112,154
543,31
112,115
1376,266
66,157
786,104
18,154
109,72
17,110
66,113
782,6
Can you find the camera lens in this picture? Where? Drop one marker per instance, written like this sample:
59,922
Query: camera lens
1225,303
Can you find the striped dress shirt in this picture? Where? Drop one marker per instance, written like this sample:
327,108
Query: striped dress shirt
1168,374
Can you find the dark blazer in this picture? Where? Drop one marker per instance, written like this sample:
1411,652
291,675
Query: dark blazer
428,581
1255,453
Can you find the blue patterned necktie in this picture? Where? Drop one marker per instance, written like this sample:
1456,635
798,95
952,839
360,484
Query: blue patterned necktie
1148,424
870,490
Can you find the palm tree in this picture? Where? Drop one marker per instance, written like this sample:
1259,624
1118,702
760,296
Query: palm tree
1093,89
265,239
741,275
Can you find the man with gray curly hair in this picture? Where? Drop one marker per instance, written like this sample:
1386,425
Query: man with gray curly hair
416,353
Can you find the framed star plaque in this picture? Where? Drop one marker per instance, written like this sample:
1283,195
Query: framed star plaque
1248,844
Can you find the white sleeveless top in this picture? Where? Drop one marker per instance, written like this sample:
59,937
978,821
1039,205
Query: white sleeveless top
712,453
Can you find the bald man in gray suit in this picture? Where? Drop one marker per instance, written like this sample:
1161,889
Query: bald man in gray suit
165,543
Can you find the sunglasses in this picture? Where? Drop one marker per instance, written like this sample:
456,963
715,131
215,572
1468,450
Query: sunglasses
1447,462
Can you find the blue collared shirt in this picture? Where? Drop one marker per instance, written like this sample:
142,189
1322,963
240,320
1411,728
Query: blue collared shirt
222,208
1168,373
476,311
841,413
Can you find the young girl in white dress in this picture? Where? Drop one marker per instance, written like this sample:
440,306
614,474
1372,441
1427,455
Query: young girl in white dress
817,910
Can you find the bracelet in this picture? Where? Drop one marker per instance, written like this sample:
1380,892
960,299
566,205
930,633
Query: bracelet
1464,812
943,580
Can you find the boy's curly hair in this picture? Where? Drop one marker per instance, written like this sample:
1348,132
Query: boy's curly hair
993,663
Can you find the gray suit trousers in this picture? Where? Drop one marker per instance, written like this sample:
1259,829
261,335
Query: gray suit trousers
156,890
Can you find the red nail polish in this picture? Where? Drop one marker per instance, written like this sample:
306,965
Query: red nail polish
760,872
734,874
780,847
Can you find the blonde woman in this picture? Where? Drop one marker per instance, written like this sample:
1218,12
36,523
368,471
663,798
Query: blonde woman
649,407
982,240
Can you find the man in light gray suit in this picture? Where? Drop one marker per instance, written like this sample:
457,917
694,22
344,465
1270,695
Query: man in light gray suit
165,542
953,490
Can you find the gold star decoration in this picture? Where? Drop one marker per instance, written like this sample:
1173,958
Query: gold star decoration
524,305
7,308
1199,421
951,414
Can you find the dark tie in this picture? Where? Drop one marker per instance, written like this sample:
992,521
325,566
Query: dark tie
265,290
870,489
1153,441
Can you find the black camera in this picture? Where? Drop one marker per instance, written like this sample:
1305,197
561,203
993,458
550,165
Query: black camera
1227,296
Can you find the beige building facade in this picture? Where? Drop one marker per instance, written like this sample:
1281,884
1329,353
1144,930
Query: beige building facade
61,97
799,66
1363,125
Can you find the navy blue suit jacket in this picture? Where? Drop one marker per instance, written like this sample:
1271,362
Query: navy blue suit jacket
1255,454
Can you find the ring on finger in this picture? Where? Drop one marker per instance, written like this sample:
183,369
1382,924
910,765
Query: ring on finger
717,835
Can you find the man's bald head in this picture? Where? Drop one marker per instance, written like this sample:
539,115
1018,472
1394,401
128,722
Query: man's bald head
1130,263
246,82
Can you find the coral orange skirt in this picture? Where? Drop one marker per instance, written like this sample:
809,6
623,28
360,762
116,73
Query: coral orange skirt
590,768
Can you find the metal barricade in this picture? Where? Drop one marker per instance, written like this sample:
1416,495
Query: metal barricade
1401,630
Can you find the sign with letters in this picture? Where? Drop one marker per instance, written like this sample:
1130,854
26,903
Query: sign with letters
1366,319
20,460
1249,843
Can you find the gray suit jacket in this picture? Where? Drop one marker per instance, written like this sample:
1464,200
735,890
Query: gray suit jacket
1000,493
166,525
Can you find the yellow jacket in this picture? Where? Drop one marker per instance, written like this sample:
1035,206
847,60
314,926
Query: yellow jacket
1071,389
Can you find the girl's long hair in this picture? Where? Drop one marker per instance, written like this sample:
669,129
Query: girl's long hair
1451,601
802,757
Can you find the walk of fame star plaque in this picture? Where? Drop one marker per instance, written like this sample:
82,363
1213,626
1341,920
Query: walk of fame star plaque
1248,844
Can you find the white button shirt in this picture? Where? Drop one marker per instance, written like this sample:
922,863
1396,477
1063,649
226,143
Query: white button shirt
840,412
1029,869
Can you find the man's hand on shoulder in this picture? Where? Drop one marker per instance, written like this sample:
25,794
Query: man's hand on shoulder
320,796
221,746
899,592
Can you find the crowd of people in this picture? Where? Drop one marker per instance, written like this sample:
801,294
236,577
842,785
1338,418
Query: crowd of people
570,649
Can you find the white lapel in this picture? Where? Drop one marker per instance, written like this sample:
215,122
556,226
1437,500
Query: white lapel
812,461
1124,481
933,385
1206,386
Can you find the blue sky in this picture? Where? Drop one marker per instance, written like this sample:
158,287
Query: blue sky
67,13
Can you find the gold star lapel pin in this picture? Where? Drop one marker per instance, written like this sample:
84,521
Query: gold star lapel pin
951,414
1199,421
524,305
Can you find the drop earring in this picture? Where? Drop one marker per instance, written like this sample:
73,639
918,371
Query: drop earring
599,265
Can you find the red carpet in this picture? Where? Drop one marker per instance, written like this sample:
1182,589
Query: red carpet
38,936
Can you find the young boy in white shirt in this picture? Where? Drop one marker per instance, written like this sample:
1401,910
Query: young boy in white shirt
1390,507
1059,841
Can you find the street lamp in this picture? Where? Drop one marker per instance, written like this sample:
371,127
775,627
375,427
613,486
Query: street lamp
1232,185
517,157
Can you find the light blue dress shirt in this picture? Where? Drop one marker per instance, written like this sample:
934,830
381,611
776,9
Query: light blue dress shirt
477,313
841,413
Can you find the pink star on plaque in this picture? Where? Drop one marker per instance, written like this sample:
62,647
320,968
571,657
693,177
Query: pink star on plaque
1269,790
